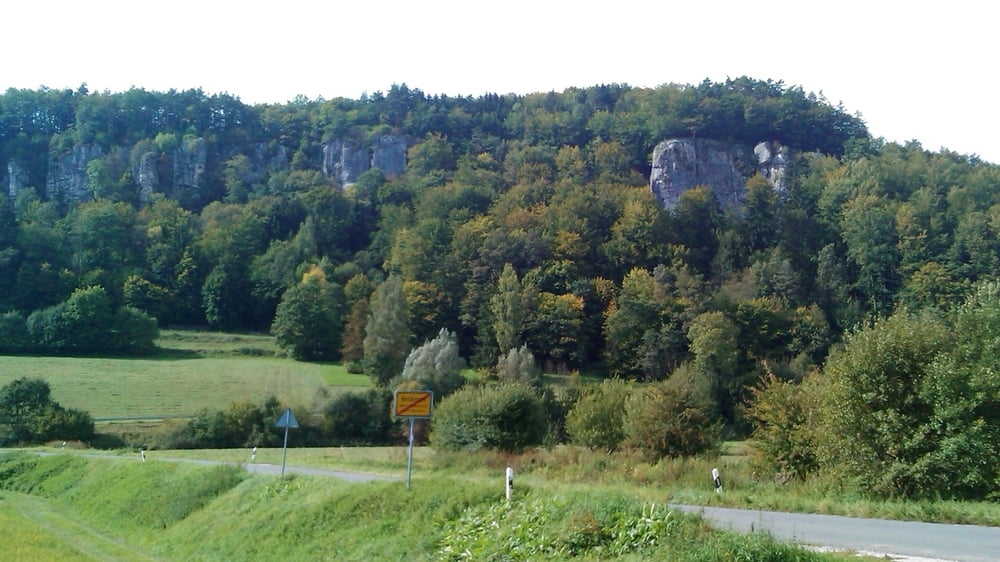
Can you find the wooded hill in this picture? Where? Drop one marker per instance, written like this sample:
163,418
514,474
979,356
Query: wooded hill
510,220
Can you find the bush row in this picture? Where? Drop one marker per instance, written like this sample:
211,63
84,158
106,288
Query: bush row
87,322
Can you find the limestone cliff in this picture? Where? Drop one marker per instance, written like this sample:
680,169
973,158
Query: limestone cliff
17,178
389,155
346,159
147,176
67,173
681,164
189,166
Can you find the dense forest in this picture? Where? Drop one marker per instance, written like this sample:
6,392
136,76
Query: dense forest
516,221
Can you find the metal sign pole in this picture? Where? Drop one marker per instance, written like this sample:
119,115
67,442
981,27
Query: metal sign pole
284,449
412,404
286,420
409,457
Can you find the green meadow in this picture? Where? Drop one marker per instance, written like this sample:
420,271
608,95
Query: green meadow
195,370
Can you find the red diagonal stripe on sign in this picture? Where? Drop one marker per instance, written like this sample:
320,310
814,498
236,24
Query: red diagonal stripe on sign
414,403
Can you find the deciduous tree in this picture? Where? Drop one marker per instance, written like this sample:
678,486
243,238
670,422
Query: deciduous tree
387,333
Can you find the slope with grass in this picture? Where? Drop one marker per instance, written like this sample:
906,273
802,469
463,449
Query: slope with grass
122,509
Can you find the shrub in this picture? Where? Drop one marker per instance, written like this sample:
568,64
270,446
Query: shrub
65,425
49,330
29,415
134,330
241,424
873,414
783,438
87,323
519,365
597,420
14,336
355,418
506,416
673,418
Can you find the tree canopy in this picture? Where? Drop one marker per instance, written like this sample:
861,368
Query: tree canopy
513,222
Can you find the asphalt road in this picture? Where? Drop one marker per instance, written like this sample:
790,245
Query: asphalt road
902,540
916,540
275,470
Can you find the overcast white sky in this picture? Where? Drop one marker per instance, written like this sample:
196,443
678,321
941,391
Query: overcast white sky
913,70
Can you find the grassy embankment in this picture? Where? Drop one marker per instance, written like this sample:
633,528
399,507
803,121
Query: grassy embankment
74,508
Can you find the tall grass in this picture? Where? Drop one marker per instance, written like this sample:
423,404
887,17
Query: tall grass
183,512
689,481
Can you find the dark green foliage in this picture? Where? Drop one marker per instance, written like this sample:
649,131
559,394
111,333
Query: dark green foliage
783,435
673,418
29,415
308,322
597,419
387,333
14,333
515,220
88,323
874,410
241,424
134,331
507,416
907,408
359,418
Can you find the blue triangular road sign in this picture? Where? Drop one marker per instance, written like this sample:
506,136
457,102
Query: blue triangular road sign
287,419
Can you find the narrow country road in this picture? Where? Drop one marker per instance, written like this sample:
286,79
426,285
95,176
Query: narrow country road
935,541
906,540
275,470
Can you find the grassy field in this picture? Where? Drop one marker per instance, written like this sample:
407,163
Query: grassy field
211,370
195,370
72,508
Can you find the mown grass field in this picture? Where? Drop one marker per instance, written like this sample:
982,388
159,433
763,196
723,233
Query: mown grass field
195,370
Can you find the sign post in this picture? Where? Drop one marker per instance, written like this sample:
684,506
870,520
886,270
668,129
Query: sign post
412,404
286,420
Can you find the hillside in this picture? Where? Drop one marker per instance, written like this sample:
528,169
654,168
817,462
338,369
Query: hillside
200,210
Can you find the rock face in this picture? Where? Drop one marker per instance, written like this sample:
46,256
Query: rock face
146,176
189,167
67,174
181,173
681,164
18,178
773,161
389,155
267,159
346,159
